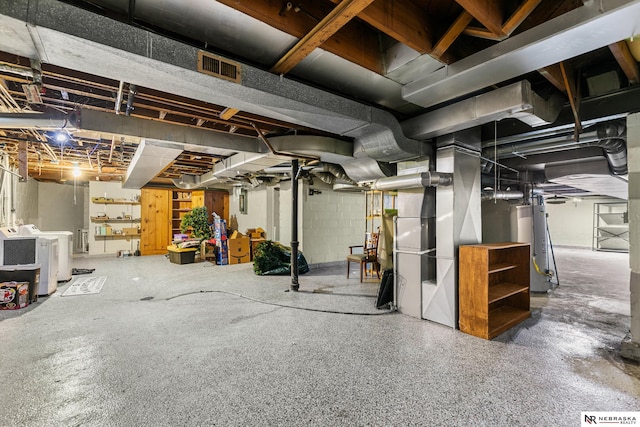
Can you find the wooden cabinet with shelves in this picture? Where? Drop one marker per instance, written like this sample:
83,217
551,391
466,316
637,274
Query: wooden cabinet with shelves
162,211
493,287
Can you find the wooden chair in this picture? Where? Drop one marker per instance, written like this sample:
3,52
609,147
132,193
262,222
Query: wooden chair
369,255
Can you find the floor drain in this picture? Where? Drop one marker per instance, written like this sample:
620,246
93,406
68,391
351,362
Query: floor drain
146,299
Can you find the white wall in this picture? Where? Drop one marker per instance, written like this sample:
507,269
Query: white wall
26,201
57,210
110,245
328,223
331,222
256,215
571,223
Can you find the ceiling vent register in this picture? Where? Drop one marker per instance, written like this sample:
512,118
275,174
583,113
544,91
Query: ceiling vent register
218,66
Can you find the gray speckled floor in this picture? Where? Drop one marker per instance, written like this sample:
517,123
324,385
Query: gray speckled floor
152,350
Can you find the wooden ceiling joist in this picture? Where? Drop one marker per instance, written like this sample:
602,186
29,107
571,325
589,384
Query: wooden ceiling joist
355,43
553,74
452,34
626,61
522,12
406,23
328,26
487,12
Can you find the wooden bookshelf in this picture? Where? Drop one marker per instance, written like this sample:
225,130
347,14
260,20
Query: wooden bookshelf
493,287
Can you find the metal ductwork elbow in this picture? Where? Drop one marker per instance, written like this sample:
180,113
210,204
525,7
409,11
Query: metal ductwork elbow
612,139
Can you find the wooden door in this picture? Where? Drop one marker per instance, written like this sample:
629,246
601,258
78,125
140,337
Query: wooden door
155,221
217,201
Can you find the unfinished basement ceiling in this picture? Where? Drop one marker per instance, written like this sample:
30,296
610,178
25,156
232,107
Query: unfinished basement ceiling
334,65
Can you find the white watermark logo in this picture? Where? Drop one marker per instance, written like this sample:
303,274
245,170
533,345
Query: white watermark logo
609,418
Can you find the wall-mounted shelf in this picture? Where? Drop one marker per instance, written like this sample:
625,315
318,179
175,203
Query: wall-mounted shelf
107,219
107,201
116,236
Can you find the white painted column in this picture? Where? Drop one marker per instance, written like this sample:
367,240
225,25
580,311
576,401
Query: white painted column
631,344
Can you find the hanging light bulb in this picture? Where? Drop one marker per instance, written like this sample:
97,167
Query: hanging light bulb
76,170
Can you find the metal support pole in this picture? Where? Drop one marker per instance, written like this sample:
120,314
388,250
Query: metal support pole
294,225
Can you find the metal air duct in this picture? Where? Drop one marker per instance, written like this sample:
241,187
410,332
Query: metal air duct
38,121
416,180
615,148
517,101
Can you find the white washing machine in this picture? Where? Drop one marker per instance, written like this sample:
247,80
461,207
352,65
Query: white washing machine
47,254
65,246
16,249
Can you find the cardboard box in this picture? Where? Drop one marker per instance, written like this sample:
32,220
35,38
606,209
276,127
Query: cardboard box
256,233
23,273
208,250
14,295
239,250
128,231
181,255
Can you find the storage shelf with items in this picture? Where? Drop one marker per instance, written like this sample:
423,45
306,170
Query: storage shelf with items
114,217
181,203
493,287
377,202
611,227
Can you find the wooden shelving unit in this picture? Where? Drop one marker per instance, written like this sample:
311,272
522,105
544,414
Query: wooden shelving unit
493,287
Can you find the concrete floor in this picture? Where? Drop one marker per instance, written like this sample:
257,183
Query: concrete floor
151,350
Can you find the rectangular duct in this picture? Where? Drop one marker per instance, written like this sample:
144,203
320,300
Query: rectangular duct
592,175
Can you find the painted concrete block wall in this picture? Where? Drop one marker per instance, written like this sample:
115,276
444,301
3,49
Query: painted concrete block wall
285,213
26,202
331,222
256,215
57,210
571,223
110,245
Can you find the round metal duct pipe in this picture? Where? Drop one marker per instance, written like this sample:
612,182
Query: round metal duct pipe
416,180
502,195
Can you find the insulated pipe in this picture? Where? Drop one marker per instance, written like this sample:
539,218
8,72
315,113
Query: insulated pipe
416,180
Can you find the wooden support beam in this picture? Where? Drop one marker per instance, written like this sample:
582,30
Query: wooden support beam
553,74
519,16
228,112
452,34
356,42
162,115
329,25
514,21
404,21
487,12
567,77
627,62
200,122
